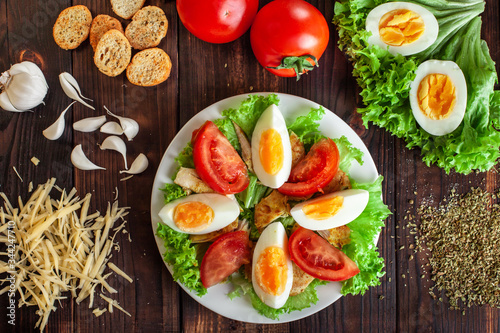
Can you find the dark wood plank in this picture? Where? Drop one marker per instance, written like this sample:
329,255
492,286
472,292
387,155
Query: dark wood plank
203,74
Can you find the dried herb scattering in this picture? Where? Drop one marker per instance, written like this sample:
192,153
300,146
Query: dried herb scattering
463,236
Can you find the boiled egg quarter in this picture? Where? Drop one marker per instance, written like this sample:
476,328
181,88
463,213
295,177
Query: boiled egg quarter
271,149
272,271
438,96
331,210
200,213
402,27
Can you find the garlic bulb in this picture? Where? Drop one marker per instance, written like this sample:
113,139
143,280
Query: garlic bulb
23,87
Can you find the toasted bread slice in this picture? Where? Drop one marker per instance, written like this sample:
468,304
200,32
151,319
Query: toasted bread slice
126,8
72,27
149,25
113,53
149,67
100,25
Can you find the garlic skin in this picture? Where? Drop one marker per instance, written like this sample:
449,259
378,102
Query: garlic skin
138,166
112,127
23,87
54,131
130,126
89,124
80,161
72,89
115,143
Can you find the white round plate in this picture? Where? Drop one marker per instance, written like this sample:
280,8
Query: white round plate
291,106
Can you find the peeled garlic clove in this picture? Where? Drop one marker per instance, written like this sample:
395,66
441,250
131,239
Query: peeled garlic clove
81,161
130,126
139,165
54,131
115,143
6,104
71,90
72,81
89,124
112,127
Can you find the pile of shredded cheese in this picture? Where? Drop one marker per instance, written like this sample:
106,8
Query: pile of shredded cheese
54,246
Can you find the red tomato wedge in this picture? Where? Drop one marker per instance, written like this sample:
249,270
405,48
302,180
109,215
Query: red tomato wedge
318,258
224,257
314,171
217,162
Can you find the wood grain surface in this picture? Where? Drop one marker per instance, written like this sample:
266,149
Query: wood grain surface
203,74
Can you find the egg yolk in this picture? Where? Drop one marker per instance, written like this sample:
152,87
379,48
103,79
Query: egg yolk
271,151
400,27
323,208
436,96
193,216
271,270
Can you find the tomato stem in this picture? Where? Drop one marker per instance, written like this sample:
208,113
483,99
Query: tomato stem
300,64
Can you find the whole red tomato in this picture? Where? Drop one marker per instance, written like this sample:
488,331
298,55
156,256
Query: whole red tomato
289,36
217,21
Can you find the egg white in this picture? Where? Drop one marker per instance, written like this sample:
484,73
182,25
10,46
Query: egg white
453,120
355,201
273,235
272,118
226,210
427,38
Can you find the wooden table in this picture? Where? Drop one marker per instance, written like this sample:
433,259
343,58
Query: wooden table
202,75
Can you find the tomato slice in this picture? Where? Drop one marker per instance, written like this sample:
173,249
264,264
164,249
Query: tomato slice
318,258
217,162
224,257
314,171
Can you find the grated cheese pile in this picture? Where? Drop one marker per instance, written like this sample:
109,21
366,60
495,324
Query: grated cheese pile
54,245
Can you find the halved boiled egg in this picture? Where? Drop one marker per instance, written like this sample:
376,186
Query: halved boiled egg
272,271
200,213
405,28
438,96
271,149
330,210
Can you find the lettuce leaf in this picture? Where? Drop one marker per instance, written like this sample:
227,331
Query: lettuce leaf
227,128
250,110
172,192
364,229
307,127
294,303
347,154
385,82
253,193
182,256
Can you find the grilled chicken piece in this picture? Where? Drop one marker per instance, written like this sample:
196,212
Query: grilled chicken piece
270,208
246,151
189,180
300,280
298,150
338,236
339,182
214,234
